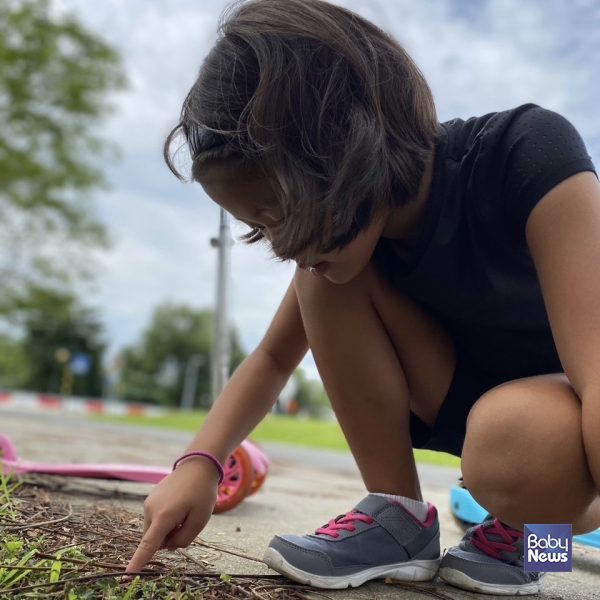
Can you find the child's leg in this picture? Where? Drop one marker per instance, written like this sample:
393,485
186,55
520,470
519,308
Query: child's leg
523,457
379,355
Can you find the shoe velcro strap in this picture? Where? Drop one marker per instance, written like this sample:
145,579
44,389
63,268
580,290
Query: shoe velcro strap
392,517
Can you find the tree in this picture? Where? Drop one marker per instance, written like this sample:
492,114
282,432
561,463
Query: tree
310,396
54,82
14,364
154,368
52,321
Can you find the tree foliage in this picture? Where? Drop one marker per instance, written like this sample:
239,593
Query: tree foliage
54,85
310,396
154,369
50,321
14,364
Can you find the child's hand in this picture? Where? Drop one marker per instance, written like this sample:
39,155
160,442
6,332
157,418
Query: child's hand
177,510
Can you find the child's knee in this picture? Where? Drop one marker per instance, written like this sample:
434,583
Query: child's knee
315,293
524,446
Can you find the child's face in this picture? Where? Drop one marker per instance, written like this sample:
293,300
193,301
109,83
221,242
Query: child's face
253,200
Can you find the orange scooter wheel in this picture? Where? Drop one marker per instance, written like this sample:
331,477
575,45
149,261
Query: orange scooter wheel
237,480
259,479
260,464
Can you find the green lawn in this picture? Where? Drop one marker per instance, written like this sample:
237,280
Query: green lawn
277,428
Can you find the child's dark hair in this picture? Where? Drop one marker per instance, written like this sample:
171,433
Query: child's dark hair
323,102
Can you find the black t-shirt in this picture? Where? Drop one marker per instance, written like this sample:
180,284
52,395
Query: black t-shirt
471,267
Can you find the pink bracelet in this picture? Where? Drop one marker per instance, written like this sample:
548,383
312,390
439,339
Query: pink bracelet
206,455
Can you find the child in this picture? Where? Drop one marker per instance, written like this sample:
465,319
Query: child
447,285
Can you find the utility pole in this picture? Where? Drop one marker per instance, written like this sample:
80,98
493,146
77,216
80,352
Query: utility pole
221,350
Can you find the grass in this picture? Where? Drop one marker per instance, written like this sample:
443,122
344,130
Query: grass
312,433
20,560
82,555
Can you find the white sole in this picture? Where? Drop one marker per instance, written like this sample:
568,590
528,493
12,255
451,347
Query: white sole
459,579
415,570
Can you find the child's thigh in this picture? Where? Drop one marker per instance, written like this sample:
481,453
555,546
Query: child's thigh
366,321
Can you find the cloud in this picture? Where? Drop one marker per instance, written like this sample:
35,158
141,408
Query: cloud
477,56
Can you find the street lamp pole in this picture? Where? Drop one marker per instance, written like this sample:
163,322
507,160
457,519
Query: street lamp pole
221,349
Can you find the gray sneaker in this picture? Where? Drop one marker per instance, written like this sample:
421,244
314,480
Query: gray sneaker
379,538
489,560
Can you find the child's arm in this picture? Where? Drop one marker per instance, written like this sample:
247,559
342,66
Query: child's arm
179,507
563,234
256,384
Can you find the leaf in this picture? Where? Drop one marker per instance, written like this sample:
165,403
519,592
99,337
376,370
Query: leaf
16,573
55,571
224,577
23,574
129,591
13,546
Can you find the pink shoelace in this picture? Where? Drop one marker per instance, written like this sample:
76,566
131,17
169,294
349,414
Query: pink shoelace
490,547
343,522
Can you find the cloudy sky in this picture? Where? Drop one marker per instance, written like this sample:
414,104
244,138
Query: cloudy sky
478,56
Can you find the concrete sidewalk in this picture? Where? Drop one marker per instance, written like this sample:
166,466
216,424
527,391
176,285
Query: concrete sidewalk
304,489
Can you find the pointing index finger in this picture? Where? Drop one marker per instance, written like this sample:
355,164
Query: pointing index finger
150,543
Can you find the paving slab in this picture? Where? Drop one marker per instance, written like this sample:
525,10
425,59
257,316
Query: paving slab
304,489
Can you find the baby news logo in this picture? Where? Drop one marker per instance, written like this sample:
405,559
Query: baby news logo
548,548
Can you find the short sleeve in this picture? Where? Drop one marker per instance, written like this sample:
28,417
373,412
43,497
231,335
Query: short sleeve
536,151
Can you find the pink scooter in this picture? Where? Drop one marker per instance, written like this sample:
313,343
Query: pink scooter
245,471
